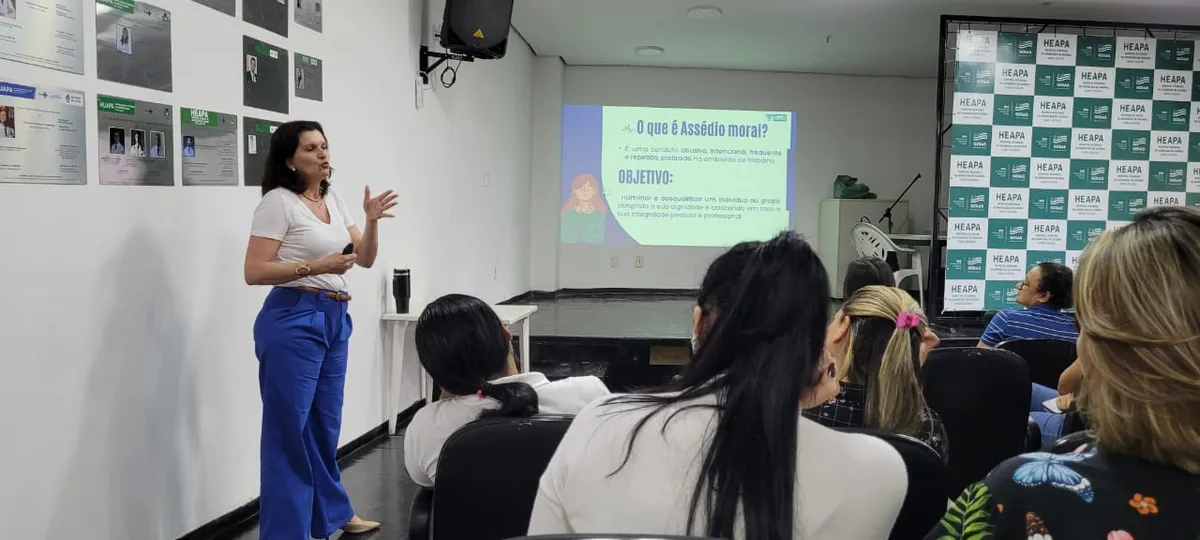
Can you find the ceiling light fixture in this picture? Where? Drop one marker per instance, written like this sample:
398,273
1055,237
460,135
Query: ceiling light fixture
704,13
648,50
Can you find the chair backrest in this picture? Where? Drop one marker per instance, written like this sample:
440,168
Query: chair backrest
487,476
870,241
955,341
982,396
1047,358
925,501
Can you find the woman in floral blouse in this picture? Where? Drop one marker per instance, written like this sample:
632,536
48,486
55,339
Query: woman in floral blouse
1138,303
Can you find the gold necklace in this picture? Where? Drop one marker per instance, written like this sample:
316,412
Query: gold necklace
311,198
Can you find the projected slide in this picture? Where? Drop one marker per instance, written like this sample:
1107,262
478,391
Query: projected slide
1057,138
675,177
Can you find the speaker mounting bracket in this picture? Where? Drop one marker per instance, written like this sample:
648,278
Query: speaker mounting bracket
426,55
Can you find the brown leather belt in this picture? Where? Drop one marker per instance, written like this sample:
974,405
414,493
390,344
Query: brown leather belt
338,295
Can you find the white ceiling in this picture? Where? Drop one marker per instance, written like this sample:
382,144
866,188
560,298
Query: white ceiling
858,37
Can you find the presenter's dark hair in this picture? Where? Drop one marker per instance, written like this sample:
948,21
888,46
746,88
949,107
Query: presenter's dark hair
1057,281
284,143
716,289
867,271
462,344
761,354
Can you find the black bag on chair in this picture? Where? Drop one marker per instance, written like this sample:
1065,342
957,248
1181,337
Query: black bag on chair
1047,358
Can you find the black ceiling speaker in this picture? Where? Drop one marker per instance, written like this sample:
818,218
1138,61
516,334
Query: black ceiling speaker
477,28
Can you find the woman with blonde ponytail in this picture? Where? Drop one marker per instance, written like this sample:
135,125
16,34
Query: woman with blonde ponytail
879,340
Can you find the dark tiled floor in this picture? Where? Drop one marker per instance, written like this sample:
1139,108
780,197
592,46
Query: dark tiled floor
379,487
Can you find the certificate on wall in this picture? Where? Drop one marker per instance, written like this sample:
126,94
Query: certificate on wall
26,27
308,14
265,76
133,44
309,83
209,149
135,142
42,135
228,7
258,141
269,14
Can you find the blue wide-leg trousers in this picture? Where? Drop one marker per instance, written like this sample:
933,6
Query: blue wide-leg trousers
301,341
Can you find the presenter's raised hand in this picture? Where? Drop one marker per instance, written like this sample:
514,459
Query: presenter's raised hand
376,207
334,263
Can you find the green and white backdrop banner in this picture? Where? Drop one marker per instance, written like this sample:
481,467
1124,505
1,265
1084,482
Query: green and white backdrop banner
1055,139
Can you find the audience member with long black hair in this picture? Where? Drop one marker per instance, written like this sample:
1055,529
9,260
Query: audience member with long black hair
468,352
723,451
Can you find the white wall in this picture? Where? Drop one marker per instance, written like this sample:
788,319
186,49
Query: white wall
878,129
129,404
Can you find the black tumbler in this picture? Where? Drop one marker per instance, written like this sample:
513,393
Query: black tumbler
401,289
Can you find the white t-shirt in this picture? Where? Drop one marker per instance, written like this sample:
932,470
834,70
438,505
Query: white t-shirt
434,423
282,215
848,486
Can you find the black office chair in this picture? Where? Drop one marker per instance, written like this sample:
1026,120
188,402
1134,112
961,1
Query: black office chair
1069,443
925,500
951,342
609,537
982,396
1047,358
487,479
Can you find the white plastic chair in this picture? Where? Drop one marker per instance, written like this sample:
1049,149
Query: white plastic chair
869,241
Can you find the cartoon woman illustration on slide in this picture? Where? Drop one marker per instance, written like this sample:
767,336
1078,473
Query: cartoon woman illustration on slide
584,213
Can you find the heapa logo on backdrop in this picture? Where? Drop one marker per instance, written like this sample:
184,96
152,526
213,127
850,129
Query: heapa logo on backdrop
1020,170
1058,204
1000,258
1137,203
1014,72
976,202
1043,166
1100,112
1094,76
1168,78
964,289
1023,107
1099,174
1062,78
199,117
979,138
971,102
1086,199
1016,232
1105,48
1093,232
1179,116
1166,200
1183,54
1129,170
1010,295
1025,47
1047,228
1176,176
1061,143
1054,105
1133,108
966,227
970,164
975,264
1137,46
1139,144
1169,140
1142,83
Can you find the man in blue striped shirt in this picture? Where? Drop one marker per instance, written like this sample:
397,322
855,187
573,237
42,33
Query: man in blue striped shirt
1045,293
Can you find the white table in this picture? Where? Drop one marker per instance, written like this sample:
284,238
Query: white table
509,315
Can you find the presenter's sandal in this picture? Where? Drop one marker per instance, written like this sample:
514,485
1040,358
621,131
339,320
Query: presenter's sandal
358,525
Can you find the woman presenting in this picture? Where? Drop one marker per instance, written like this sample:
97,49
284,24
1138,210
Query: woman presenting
297,238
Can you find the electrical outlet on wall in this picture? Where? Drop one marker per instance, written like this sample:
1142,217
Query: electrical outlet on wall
638,261
495,271
615,262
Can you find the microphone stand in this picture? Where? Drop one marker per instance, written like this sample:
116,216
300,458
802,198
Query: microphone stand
887,214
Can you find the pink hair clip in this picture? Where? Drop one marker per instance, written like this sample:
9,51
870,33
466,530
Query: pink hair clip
908,320
479,393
